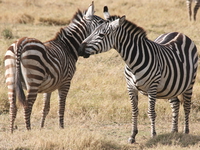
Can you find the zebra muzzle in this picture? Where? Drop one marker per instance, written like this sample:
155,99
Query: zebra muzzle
81,51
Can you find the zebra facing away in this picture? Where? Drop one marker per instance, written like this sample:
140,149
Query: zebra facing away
164,68
196,7
44,67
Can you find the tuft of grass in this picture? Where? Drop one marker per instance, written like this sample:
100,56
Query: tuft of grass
25,19
53,21
72,138
4,104
7,33
174,139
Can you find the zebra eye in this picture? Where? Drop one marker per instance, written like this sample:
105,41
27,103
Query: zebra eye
101,34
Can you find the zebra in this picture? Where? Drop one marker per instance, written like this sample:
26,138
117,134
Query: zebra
196,7
162,69
44,67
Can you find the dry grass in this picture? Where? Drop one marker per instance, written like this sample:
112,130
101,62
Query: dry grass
98,111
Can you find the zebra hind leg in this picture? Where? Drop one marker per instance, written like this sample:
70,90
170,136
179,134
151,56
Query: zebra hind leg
46,107
31,97
188,2
175,105
62,100
197,5
13,111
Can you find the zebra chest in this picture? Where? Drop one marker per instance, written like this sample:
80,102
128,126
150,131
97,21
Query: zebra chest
141,81
140,84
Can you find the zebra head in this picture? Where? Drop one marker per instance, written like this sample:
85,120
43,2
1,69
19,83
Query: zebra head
102,38
91,20
81,26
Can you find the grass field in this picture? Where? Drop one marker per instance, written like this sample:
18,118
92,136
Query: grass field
98,111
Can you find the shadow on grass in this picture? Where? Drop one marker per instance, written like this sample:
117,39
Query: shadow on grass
179,139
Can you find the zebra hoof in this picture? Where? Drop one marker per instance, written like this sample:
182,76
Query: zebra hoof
186,131
131,140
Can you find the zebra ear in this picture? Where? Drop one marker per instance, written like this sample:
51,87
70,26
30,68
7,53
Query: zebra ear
106,13
116,23
122,19
90,11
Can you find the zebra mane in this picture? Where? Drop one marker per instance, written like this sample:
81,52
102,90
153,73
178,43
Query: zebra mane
130,25
113,17
78,16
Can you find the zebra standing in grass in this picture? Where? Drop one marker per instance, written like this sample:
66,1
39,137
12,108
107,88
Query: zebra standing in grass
165,68
196,7
44,67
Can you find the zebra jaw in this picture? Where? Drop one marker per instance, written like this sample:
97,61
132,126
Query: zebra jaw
86,55
81,51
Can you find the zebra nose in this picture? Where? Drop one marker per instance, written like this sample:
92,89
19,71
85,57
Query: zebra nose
81,49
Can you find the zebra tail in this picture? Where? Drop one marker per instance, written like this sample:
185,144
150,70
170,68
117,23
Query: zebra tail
18,75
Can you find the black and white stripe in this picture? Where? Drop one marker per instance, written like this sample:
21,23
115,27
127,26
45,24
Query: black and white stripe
164,68
195,9
44,67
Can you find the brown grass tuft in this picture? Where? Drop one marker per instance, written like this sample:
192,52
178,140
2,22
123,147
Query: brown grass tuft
52,21
174,139
25,19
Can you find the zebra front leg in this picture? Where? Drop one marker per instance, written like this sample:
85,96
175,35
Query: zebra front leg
152,113
46,107
187,105
62,100
175,105
133,94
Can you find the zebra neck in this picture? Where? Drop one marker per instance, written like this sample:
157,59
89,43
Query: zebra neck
136,51
72,40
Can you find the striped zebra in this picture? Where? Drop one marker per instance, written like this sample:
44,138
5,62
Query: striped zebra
196,7
44,67
164,68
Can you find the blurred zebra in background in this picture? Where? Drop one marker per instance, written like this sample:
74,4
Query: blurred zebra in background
44,67
196,7
164,69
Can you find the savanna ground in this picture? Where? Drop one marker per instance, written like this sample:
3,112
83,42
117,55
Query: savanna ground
98,111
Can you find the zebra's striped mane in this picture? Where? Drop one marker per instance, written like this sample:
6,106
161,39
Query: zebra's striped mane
78,16
112,18
130,25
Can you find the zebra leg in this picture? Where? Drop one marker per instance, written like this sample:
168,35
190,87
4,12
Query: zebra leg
188,2
175,105
197,5
31,97
152,113
187,105
46,107
13,110
133,94
62,100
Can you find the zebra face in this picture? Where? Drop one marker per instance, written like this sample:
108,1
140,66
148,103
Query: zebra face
102,38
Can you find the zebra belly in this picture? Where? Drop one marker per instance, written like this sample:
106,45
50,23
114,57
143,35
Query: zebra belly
49,85
166,89
166,94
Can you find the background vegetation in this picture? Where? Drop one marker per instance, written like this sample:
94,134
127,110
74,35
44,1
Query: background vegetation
98,111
